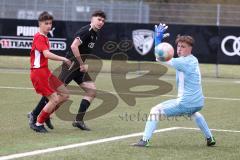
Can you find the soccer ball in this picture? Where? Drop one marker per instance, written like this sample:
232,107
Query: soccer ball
164,51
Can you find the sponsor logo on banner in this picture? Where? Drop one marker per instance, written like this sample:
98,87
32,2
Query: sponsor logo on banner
24,37
235,45
143,40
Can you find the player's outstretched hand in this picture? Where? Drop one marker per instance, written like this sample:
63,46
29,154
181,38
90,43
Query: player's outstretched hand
83,67
160,33
68,62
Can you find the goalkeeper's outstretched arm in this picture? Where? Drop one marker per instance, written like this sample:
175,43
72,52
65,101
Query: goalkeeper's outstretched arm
159,35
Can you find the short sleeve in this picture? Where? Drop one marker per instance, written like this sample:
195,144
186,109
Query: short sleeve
41,44
81,35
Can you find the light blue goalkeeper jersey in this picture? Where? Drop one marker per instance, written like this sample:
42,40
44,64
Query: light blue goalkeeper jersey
188,78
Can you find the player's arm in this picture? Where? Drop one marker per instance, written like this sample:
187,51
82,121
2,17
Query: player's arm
168,63
159,35
75,50
55,57
176,63
74,47
41,46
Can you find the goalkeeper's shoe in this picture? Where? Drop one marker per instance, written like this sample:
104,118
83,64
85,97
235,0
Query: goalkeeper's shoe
40,129
49,123
211,141
81,125
142,143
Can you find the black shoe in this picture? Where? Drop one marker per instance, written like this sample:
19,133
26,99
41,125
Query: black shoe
49,123
40,129
142,143
211,141
81,125
32,119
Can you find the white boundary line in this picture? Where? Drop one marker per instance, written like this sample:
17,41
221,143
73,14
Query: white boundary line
17,88
54,149
165,77
167,95
217,130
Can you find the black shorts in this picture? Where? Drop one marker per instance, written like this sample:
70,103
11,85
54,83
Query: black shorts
66,75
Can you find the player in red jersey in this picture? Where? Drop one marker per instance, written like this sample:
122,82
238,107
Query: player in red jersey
44,82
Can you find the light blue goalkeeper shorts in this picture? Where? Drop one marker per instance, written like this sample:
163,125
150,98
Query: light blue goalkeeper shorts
173,108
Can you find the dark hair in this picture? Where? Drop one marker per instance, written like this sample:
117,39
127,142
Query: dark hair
185,38
45,16
99,13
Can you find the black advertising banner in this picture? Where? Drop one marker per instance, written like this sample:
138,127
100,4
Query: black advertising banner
230,45
135,40
16,37
206,40
138,38
212,44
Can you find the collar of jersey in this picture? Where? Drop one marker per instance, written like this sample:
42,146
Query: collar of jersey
42,34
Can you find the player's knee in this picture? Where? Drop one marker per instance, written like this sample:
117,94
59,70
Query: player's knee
91,90
154,114
94,93
157,113
196,115
55,100
65,97
155,110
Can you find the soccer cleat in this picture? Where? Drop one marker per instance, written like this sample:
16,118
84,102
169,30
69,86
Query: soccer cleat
32,119
81,125
49,123
142,143
211,141
40,129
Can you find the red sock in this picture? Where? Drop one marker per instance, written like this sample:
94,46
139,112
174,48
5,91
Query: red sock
42,117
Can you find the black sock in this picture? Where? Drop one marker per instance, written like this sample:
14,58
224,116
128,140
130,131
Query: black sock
41,104
82,110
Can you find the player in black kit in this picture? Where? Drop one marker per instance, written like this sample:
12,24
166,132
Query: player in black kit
83,43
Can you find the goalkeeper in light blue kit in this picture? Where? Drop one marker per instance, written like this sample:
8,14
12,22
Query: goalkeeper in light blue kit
190,97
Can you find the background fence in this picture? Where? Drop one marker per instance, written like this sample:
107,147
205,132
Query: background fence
220,17
134,11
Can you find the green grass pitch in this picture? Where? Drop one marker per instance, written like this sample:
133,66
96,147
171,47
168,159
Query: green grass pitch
221,112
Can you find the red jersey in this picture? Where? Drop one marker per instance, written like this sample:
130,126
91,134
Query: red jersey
40,43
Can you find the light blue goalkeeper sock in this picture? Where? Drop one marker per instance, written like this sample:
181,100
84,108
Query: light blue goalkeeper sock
149,129
202,124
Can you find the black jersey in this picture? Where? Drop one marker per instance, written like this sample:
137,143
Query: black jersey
87,37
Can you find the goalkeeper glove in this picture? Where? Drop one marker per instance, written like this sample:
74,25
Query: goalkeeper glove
159,33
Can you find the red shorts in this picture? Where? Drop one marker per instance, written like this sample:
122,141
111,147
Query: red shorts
44,82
